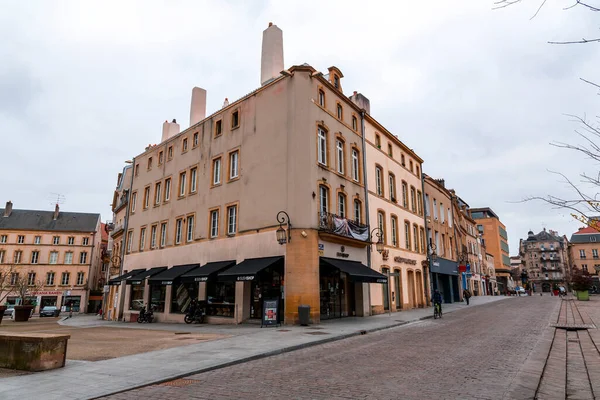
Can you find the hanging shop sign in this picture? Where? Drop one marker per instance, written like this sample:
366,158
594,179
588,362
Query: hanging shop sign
342,253
270,315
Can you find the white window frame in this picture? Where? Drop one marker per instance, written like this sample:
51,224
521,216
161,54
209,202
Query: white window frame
163,234
216,179
50,278
322,146
35,256
190,229
193,180
378,177
392,187
339,146
21,239
2,252
323,199
167,189
407,235
70,240
381,224
133,201
53,257
129,240
232,220
182,183
357,211
157,193
56,240
214,223
37,240
80,278
341,205
69,257
394,232
355,165
83,257
86,241
178,231
17,256
31,279
3,238
146,197
233,164
65,278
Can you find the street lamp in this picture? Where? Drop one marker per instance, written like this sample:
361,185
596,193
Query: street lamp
284,237
379,243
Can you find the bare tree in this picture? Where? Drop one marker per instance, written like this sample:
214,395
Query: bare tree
6,272
17,281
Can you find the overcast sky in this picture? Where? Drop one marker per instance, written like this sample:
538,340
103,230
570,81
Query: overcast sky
477,93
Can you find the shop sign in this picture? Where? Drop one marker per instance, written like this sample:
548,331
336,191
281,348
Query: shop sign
321,246
405,260
462,268
46,293
342,253
245,278
201,279
381,280
166,282
136,282
270,315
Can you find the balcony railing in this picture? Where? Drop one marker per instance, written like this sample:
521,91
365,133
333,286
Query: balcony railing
117,229
340,226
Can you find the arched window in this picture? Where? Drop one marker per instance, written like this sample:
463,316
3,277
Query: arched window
323,199
322,146
402,161
416,238
404,194
411,166
342,205
339,149
413,199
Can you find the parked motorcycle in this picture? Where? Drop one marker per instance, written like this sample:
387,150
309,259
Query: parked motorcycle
195,313
146,316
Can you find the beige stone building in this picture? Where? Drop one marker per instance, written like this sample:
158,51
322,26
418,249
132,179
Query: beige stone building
584,246
545,258
59,253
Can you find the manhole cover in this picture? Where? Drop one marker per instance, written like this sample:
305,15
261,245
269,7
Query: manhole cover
316,333
179,382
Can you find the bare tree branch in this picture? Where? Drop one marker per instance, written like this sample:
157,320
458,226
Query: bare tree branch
583,40
580,3
591,83
538,10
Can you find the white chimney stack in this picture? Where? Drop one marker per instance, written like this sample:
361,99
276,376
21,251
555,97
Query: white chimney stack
271,62
170,129
198,106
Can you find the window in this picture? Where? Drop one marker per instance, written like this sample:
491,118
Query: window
137,169
582,253
392,188
411,166
218,128
322,146
129,240
419,202
378,181
354,123
178,231
340,112
184,145
56,240
413,199
65,278
167,189
85,241
80,277
355,165
53,257
158,295
143,239
214,223
161,157
418,172
416,238
3,239
14,278
584,268
394,231
450,220
69,257
385,290
20,239
35,256
195,140
390,150
231,220
190,228
152,237
357,211
146,197
235,119
402,160
193,180
170,153
422,234
321,98
443,214
435,209
182,178
163,234
342,205
336,81
83,254
404,194
381,224
378,141
133,201
70,240
50,278
37,240
1,256
407,235
31,279
149,162
216,171
339,149
323,199
233,165
157,195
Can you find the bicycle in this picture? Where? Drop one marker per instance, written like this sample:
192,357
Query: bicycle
437,311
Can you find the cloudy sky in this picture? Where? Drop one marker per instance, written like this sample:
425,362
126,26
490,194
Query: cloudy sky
477,93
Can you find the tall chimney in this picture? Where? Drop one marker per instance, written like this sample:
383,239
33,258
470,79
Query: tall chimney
169,130
56,210
271,62
198,106
361,101
8,209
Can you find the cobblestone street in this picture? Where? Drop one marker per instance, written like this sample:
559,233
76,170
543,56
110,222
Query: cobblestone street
474,354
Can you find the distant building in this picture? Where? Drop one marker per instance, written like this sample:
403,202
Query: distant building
545,259
584,246
58,251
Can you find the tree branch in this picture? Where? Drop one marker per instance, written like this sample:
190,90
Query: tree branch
578,41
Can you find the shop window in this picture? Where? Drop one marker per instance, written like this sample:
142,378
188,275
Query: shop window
182,295
158,295
72,303
136,300
221,299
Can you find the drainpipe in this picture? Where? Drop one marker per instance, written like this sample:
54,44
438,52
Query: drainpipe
121,299
367,220
430,274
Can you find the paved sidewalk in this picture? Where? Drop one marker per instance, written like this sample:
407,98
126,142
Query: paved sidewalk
86,380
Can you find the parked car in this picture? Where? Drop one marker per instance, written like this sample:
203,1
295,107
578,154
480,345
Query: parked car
50,311
10,308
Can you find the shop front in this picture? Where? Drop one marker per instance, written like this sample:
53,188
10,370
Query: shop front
115,293
445,279
340,286
137,288
169,296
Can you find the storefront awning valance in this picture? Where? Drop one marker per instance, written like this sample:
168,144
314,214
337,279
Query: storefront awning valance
141,277
247,269
168,276
119,279
357,271
443,266
207,271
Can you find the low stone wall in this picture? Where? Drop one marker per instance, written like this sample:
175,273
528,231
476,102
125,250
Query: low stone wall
33,351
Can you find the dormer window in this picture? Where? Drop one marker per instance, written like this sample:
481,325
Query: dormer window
336,81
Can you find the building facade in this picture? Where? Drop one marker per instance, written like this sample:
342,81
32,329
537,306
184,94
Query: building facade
496,242
58,252
545,258
583,247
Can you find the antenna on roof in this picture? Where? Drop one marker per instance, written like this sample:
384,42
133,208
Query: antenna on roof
56,198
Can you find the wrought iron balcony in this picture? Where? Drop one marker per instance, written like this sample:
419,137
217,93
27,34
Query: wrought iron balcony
341,226
118,228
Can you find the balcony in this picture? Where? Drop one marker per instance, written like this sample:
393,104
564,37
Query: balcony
339,229
119,228
122,202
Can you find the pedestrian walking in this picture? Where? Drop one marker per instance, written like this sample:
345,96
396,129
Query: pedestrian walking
467,295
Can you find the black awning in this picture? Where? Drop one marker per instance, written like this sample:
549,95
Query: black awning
209,270
119,279
168,276
357,271
141,277
247,269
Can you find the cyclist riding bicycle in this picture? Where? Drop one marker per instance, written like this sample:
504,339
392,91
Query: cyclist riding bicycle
436,299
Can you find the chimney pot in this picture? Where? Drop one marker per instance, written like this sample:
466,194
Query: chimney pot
198,105
56,211
174,121
355,92
8,209
226,102
271,61
270,24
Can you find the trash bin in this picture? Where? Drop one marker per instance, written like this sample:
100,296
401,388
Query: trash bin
303,314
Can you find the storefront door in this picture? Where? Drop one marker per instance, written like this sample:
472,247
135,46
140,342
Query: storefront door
330,296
